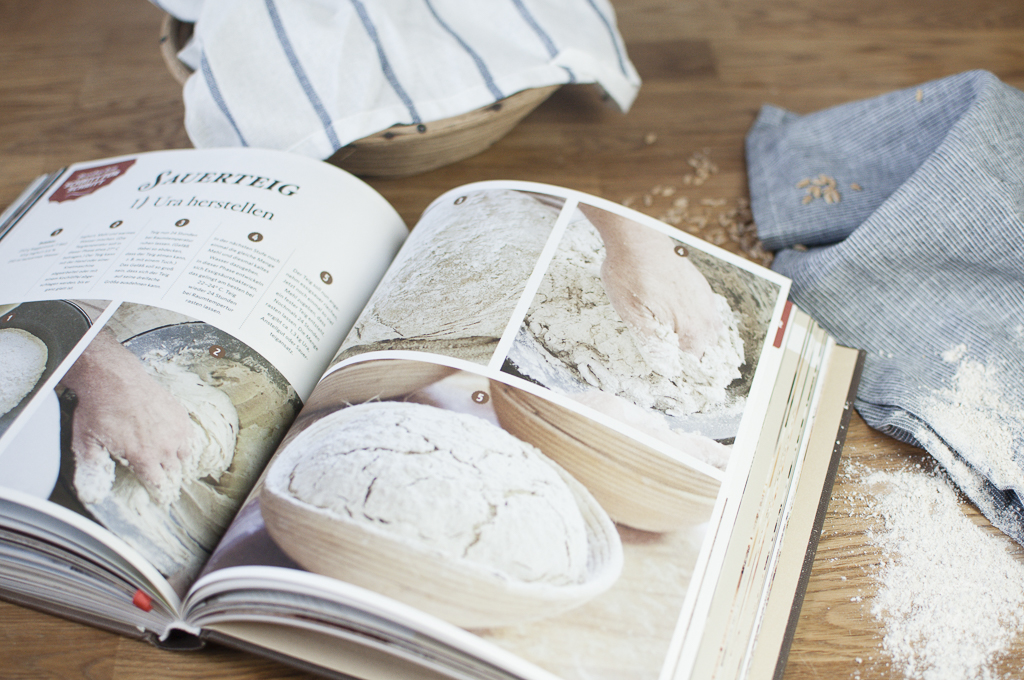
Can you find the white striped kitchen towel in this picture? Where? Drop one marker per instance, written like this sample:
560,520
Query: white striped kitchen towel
310,76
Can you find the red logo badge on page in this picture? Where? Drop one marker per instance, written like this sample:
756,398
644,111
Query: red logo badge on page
87,180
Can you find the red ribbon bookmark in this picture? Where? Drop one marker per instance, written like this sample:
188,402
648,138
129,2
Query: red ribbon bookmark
142,601
782,324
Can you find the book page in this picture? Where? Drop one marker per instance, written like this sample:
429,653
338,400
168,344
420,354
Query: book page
278,250
506,457
164,317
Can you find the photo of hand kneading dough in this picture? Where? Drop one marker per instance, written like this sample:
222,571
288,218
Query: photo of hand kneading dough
415,481
638,325
169,422
457,280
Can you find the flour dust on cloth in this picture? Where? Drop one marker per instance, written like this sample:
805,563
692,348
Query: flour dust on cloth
310,76
919,262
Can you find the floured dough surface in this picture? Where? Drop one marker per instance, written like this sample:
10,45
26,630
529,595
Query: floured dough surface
449,482
455,292
237,395
578,332
22,362
214,434
214,418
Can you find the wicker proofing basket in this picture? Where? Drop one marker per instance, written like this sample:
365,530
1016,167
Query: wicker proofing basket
401,149
461,592
636,486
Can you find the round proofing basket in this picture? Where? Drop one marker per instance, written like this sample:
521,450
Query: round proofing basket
399,150
458,591
636,485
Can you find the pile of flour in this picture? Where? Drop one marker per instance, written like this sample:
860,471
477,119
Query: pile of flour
951,595
214,434
444,481
573,321
22,362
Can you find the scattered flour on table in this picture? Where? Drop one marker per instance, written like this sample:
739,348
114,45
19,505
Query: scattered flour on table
214,434
22,361
951,595
975,417
449,482
573,320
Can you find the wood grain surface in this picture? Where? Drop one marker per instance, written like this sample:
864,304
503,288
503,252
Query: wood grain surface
85,79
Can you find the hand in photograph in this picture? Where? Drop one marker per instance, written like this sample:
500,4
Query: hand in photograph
652,287
124,412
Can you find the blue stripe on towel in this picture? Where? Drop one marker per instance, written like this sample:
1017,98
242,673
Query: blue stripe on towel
549,44
611,34
480,65
211,84
300,74
385,66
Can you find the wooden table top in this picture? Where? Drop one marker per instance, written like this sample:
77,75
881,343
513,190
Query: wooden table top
84,80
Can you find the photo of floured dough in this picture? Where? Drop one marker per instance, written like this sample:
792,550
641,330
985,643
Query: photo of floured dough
573,321
453,287
439,509
383,543
35,338
236,410
449,482
212,444
22,362
573,341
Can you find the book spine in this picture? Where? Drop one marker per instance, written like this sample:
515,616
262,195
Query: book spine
28,198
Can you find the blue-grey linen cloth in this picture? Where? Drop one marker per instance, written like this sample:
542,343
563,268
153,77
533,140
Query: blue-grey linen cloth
918,258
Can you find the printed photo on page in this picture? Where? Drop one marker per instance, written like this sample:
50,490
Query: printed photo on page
430,485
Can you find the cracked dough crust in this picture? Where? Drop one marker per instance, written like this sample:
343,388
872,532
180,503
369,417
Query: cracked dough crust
451,482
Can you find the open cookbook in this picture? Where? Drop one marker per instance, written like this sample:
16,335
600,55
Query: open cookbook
538,436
